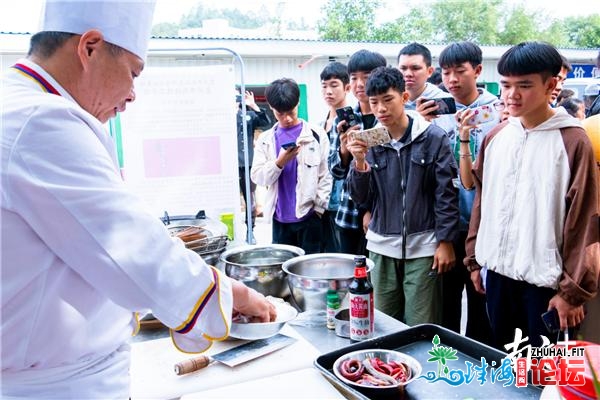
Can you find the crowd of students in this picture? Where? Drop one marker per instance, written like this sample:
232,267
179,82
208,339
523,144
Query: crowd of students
503,205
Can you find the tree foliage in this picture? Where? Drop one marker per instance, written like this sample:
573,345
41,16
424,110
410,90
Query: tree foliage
490,22
486,22
347,19
235,17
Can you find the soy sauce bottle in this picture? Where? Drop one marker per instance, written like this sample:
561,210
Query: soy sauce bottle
362,308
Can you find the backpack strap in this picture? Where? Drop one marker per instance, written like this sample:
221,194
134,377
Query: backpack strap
316,136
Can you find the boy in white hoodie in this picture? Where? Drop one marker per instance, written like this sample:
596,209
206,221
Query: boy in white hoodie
536,205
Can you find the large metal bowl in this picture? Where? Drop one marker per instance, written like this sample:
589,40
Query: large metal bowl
310,276
259,266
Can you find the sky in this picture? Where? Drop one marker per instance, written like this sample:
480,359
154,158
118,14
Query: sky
23,15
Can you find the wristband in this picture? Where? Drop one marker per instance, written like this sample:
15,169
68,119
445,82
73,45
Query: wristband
464,141
473,267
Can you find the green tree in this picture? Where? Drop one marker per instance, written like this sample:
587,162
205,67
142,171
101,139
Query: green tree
519,24
166,29
235,17
417,25
347,20
474,20
583,31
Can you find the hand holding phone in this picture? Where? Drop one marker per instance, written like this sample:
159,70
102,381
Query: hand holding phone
551,320
446,105
290,145
482,115
347,115
372,137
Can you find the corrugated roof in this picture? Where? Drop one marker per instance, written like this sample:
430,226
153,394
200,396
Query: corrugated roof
18,42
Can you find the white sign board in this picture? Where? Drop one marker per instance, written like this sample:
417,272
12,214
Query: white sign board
178,140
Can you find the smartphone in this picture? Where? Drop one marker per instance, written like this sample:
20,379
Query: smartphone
373,137
289,145
551,320
347,114
482,115
446,105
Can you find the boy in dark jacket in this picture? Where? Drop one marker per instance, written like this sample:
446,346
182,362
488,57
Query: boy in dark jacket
408,185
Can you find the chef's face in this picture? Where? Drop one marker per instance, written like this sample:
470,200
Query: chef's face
111,81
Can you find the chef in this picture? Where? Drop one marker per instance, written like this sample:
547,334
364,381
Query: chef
80,255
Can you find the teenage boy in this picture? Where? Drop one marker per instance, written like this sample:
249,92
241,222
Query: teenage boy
536,208
408,185
335,85
461,64
290,159
414,62
349,217
565,68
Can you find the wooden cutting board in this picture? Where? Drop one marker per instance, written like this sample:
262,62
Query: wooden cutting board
153,376
307,383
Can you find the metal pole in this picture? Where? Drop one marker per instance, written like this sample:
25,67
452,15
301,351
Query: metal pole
249,235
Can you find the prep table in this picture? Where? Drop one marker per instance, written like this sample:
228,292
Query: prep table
288,372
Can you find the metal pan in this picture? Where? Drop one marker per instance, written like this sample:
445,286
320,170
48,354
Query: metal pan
416,342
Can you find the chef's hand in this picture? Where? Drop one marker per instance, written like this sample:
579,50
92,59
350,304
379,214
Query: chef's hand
249,302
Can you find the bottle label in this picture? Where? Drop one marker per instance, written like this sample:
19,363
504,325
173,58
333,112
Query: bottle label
361,316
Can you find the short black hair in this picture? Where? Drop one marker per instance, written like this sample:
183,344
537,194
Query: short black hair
528,58
571,104
283,94
335,70
365,61
44,44
566,64
416,49
382,79
458,53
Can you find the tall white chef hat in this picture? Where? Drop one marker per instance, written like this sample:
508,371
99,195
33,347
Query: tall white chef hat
125,23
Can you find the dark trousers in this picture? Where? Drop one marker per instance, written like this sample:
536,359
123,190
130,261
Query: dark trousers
352,241
252,202
305,234
516,304
452,284
330,237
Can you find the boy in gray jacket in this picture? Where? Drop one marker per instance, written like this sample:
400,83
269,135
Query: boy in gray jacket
407,184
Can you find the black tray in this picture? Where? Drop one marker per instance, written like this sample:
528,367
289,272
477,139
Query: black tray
416,342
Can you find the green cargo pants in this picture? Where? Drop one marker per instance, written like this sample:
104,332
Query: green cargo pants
404,290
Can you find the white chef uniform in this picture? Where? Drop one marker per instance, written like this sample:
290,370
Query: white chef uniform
80,254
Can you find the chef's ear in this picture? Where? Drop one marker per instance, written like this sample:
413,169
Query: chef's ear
89,42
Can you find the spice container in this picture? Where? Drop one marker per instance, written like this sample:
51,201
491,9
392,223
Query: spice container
333,304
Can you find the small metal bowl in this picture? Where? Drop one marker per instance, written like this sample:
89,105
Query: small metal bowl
342,323
385,356
262,330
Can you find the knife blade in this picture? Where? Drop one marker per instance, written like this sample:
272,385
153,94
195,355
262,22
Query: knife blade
237,355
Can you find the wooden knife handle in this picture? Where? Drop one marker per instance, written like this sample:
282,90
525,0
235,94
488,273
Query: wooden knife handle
191,365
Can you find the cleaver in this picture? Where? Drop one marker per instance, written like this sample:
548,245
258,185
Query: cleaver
237,355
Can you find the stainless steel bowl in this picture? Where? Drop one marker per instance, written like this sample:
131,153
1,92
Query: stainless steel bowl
261,330
310,276
259,266
385,356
